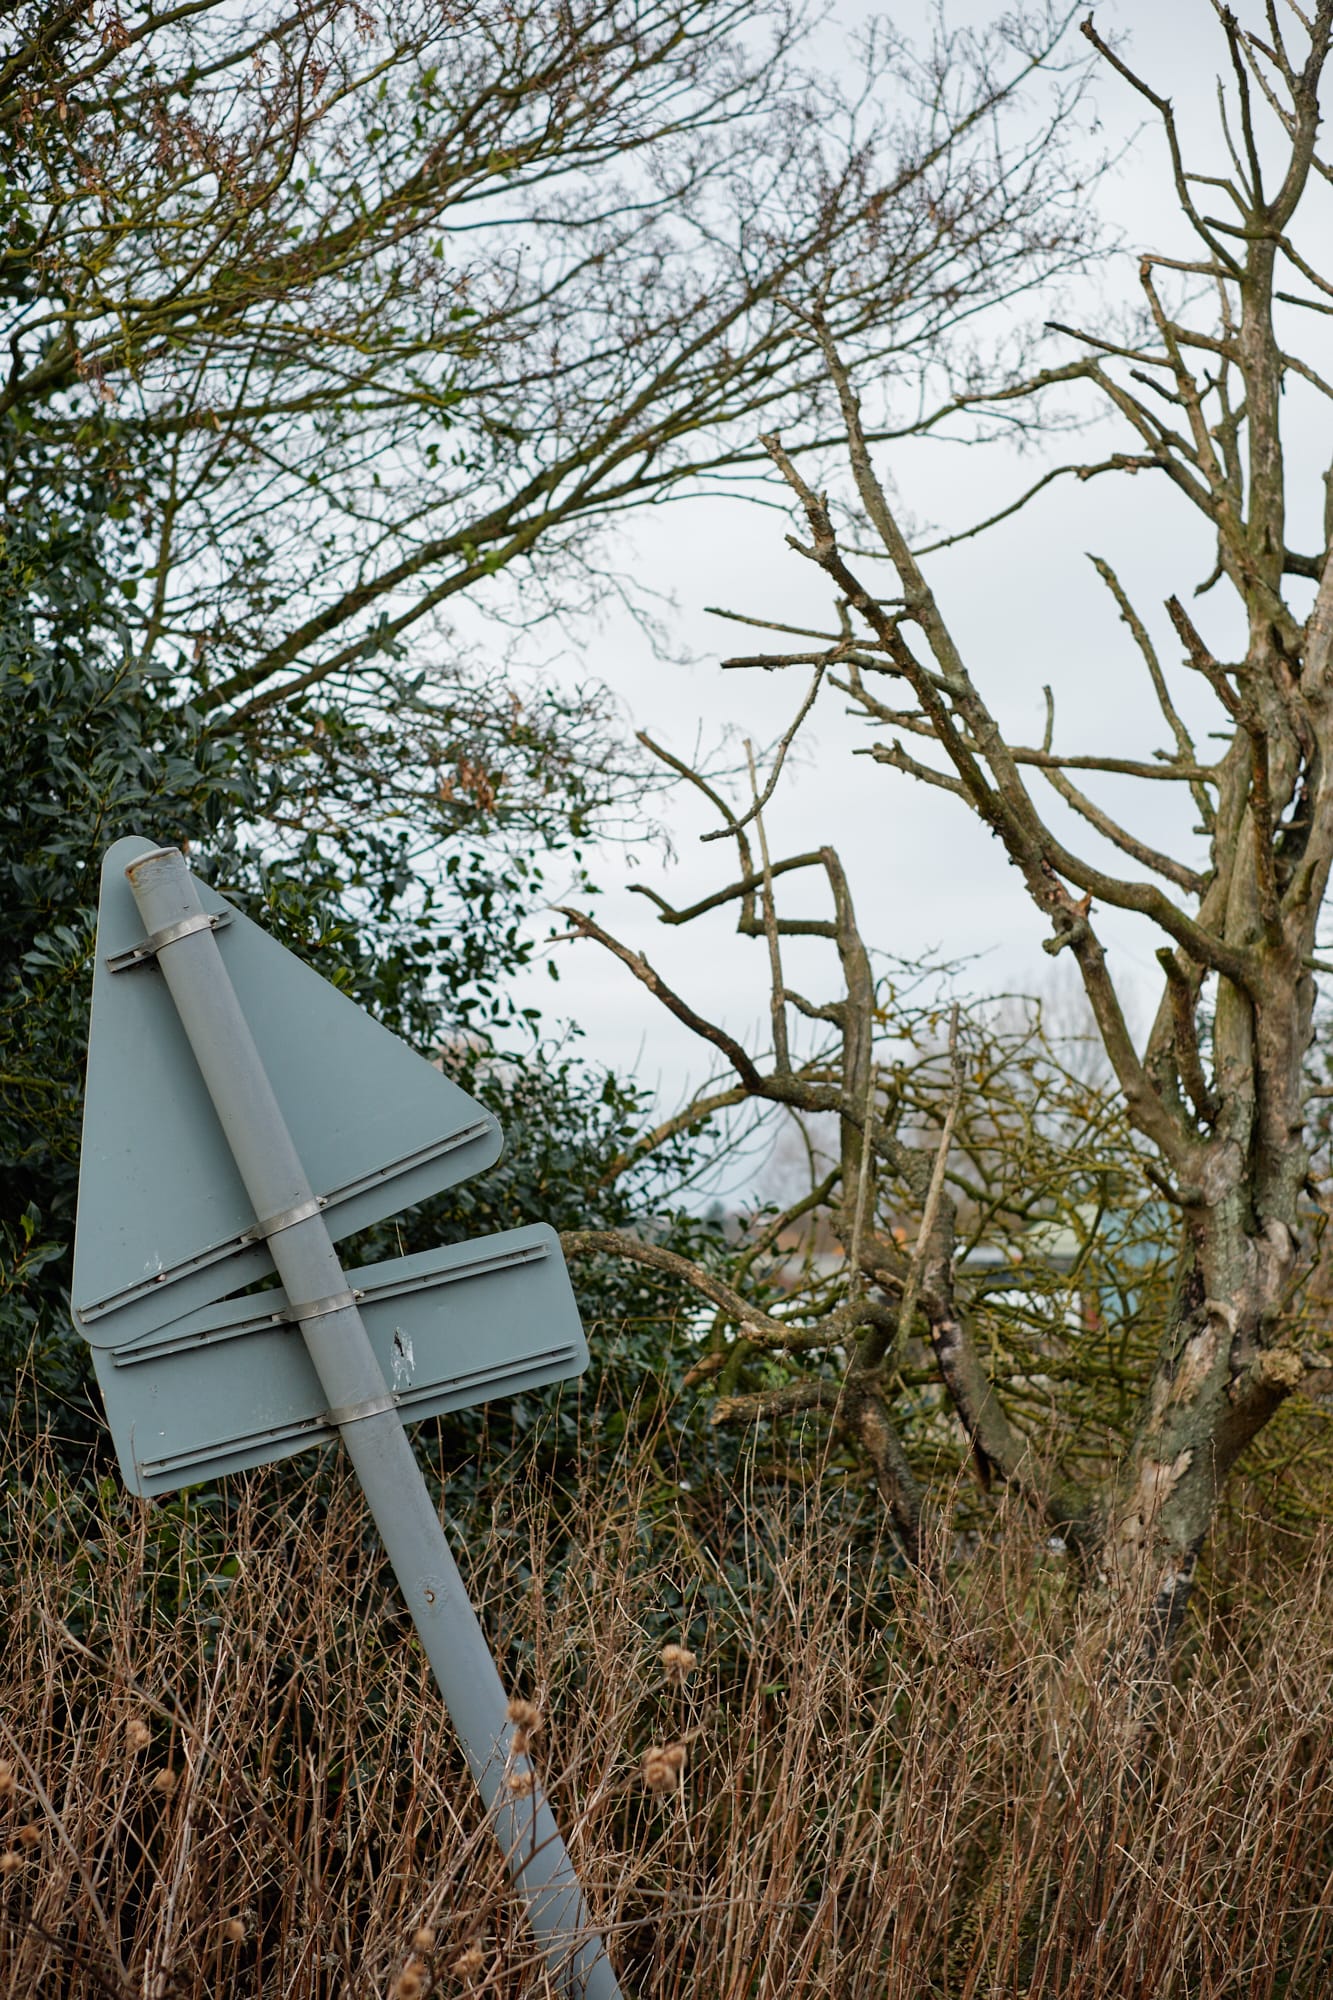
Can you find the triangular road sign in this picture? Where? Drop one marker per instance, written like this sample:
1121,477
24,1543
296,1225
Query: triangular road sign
164,1223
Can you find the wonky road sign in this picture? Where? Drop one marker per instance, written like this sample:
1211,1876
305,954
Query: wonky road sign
241,1115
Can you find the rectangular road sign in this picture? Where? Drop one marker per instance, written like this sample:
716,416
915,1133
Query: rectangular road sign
232,1386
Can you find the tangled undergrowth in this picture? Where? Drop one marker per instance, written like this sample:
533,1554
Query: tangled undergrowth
785,1767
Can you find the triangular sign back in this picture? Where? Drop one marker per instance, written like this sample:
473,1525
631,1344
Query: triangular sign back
164,1223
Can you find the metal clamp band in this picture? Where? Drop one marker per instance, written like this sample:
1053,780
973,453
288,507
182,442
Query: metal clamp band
353,1413
139,954
316,1308
287,1218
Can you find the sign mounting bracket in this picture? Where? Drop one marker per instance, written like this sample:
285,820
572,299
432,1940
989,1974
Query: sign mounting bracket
149,947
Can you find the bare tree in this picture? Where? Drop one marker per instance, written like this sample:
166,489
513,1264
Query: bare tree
1218,1094
378,305
972,1161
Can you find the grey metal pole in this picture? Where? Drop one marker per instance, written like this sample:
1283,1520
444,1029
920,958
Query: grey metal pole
371,1428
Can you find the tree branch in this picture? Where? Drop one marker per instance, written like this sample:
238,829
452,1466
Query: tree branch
1183,992
788,1402
754,811
746,887
1138,850
759,1328
777,1001
1184,742
657,986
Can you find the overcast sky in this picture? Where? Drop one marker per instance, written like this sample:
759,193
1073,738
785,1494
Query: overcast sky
1028,608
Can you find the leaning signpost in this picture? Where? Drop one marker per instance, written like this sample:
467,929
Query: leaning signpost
241,1116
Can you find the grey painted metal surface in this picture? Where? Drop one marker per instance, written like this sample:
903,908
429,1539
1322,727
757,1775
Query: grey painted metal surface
232,1386
376,1127
250,1115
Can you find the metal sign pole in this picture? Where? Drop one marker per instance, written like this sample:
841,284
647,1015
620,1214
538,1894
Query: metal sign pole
360,1402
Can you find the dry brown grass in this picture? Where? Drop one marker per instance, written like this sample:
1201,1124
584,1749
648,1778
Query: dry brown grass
233,1778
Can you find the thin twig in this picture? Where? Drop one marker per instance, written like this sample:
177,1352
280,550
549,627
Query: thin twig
855,1285
784,745
934,1194
657,986
778,1004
